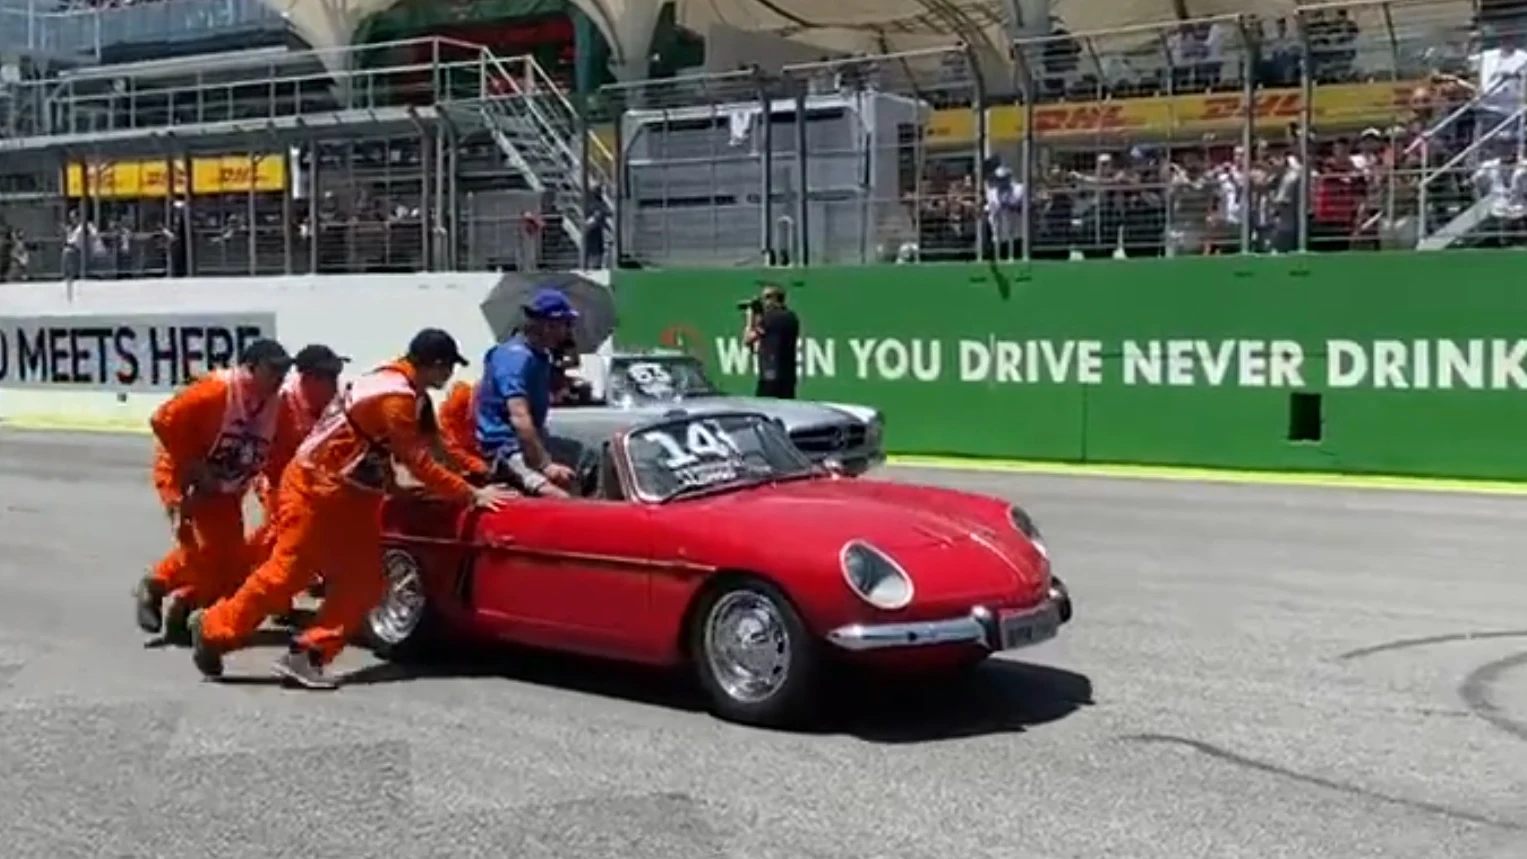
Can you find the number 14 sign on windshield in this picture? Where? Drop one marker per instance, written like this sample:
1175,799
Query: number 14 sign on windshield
704,442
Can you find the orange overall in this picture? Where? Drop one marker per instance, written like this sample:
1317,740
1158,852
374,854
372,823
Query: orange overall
329,514
214,424
458,428
304,416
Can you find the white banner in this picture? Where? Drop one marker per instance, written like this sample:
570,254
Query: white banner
128,353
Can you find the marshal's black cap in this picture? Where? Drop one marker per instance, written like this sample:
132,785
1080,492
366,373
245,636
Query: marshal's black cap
265,353
318,358
433,347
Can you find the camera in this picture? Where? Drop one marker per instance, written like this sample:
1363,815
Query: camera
753,305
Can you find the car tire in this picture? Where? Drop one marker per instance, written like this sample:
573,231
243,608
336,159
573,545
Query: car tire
402,627
773,682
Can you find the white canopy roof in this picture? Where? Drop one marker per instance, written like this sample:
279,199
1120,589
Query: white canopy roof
886,26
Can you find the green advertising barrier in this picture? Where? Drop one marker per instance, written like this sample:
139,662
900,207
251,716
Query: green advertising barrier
1386,363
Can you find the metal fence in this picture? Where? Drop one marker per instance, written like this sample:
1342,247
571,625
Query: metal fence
382,166
1338,126
1342,126
88,27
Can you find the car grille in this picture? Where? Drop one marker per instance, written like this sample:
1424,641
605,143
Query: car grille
829,439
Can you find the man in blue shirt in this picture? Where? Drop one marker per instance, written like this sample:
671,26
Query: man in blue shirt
515,395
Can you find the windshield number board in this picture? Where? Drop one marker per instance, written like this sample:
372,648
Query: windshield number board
650,378
707,454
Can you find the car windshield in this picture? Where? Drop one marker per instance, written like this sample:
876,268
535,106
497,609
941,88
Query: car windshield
711,452
658,378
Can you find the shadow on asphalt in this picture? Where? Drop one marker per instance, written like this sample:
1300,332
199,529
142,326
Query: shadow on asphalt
1001,696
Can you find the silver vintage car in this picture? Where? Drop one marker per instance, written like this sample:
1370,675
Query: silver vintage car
621,387
649,384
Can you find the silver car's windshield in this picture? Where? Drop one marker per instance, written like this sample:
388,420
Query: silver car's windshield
711,452
658,378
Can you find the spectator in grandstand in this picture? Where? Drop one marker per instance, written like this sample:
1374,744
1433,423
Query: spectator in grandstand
1052,209
1278,55
177,235
1502,180
120,249
12,254
1284,200
1339,190
83,247
596,227
1004,214
1499,88
1060,58
1190,199
1228,214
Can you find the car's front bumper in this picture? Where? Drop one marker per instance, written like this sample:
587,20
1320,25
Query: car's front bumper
982,627
855,462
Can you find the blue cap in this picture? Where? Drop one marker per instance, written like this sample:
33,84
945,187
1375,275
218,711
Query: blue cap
550,304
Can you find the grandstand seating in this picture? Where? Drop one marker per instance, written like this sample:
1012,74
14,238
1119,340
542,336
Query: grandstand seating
437,153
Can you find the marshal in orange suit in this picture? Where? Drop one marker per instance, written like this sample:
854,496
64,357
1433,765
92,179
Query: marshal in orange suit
458,428
328,514
214,439
306,395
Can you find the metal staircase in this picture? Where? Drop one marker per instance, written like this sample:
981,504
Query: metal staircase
540,133
1466,222
1461,224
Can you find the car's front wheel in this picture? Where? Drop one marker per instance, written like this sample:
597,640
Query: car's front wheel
401,626
753,655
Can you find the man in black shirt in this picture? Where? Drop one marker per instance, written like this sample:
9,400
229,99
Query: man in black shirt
774,332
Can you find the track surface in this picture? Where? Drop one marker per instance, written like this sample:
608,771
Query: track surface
1231,687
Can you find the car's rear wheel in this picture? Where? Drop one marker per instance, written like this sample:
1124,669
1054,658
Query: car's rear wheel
752,653
401,627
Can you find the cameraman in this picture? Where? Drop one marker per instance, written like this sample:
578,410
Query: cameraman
773,331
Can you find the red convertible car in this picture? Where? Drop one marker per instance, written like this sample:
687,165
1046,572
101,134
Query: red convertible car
710,541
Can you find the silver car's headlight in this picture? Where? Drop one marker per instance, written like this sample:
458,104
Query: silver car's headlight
874,430
876,578
1023,523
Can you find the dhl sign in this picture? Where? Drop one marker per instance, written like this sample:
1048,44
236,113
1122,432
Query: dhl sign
223,174
1342,105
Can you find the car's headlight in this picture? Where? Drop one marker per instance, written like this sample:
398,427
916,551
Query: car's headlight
1023,523
874,430
876,578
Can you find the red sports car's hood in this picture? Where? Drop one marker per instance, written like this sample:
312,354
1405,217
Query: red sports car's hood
816,509
953,545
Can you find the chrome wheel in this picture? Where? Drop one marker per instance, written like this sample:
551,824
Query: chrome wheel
402,607
747,646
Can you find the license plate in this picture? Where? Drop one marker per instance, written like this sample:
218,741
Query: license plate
1022,629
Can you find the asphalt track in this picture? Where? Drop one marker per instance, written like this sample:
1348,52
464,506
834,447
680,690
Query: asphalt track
1254,671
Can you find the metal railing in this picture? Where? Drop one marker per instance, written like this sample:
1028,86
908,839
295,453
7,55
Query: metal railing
1335,129
1223,135
84,29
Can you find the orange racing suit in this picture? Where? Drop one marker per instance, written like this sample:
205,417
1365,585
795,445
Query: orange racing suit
458,428
304,416
329,514
215,424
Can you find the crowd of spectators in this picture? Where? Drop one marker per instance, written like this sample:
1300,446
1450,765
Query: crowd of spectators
1362,188
1363,192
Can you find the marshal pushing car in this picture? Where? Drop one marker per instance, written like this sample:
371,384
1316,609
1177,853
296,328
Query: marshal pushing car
709,540
651,383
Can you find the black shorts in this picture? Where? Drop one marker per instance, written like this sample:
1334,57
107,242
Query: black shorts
777,388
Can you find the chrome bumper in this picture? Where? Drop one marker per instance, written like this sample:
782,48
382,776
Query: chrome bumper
855,462
979,627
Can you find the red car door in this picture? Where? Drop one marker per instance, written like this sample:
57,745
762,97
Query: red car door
567,574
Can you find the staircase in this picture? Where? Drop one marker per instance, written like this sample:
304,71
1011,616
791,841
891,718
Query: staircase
539,132
1462,225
